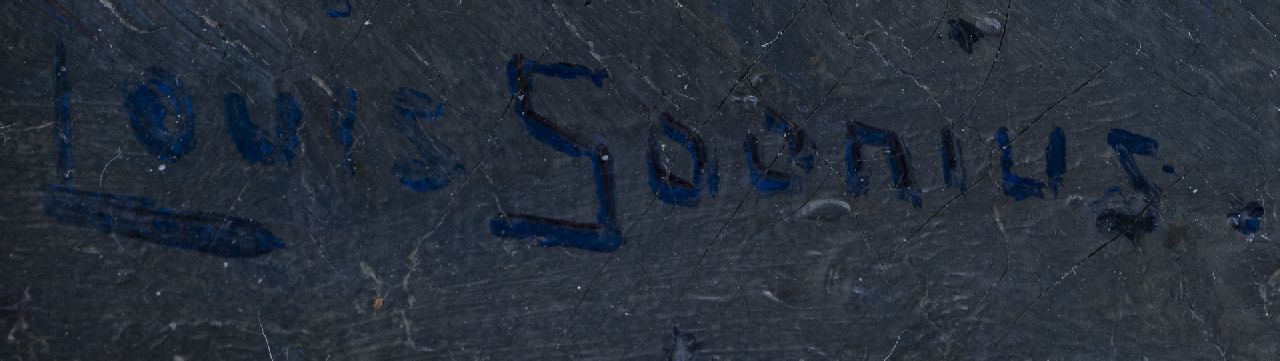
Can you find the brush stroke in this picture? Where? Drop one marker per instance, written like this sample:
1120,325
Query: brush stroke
436,164
140,218
1055,160
605,234
1247,218
669,187
898,158
150,103
344,122
953,170
338,9
1014,185
254,144
800,153
62,113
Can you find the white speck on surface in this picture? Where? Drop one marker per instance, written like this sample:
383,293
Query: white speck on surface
768,294
989,25
827,208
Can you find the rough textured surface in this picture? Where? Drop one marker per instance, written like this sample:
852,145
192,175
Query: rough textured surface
162,200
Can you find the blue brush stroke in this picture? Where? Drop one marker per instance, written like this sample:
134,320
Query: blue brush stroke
799,151
1247,219
62,112
713,178
802,151
668,187
953,170
541,128
438,164
145,105
140,218
1055,157
1014,185
897,156
1128,222
412,104
338,9
344,125
1127,144
603,236
254,144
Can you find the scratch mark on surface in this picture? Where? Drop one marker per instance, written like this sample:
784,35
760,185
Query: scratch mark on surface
1074,267
320,82
775,39
895,345
994,60
1064,97
757,60
591,47
65,17
933,215
112,8
104,166
751,191
264,337
914,79
417,55
368,20
415,260
1259,22
738,208
218,27
368,271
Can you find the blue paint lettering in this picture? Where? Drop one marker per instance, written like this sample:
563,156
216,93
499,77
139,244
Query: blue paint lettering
145,104
605,234
669,187
254,144
437,164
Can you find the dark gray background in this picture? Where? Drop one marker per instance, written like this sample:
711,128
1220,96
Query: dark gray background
973,275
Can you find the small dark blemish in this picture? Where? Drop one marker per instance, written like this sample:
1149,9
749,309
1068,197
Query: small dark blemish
964,33
1177,235
1131,226
1247,218
1168,169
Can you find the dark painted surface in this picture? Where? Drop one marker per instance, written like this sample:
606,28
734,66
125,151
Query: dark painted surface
366,180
